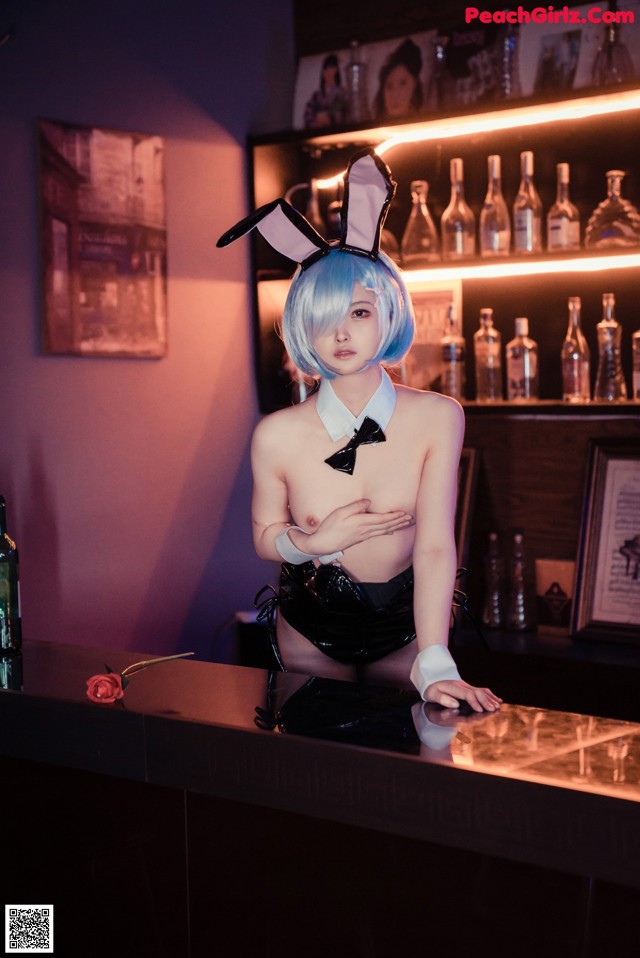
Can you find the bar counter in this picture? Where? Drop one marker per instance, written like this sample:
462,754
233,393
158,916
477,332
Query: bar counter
213,792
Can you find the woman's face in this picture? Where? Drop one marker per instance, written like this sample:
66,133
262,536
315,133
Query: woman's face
355,341
397,91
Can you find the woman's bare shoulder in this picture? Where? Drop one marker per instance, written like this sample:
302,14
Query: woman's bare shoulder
283,424
421,402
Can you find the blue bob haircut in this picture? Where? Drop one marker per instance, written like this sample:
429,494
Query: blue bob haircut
320,297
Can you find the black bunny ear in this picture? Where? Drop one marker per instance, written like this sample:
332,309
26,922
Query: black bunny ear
285,229
369,189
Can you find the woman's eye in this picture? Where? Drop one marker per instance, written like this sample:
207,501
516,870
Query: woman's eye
360,313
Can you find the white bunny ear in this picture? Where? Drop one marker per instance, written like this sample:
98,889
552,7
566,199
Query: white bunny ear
369,189
285,229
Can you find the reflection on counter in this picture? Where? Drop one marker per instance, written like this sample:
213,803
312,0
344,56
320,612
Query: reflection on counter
564,749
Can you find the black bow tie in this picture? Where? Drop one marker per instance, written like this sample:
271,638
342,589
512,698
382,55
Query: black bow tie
344,460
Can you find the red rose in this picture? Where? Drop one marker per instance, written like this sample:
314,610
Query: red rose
105,688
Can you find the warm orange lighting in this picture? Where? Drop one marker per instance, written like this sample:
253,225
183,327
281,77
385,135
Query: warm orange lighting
523,267
519,117
533,115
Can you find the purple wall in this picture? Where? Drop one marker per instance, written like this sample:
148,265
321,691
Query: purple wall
127,481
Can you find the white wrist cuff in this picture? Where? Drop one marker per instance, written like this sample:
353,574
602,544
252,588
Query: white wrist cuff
433,664
295,556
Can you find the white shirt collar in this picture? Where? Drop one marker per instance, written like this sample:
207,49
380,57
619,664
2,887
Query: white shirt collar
339,421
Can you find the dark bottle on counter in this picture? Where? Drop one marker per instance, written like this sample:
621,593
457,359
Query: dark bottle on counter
493,614
10,625
519,614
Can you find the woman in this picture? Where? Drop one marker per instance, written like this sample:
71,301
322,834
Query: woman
327,105
400,90
373,515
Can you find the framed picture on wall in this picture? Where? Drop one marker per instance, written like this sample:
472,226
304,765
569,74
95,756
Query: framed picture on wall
103,242
607,593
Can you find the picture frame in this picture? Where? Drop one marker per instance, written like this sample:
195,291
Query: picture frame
607,588
103,241
467,477
373,56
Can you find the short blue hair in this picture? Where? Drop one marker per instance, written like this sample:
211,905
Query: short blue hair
321,295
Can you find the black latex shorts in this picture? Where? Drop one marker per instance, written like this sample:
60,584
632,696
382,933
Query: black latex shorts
352,622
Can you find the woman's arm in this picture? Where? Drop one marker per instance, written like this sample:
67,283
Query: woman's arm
434,557
341,529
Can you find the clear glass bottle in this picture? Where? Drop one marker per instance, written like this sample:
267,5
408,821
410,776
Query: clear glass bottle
357,102
563,219
519,612
487,351
610,384
527,210
522,364
493,610
420,244
495,228
575,358
615,222
452,359
613,63
458,224
635,351
10,622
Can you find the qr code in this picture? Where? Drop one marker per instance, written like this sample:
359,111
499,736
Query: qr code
28,929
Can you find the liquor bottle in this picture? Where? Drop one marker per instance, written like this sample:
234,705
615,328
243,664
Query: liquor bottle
575,358
610,384
522,364
495,228
458,224
615,222
487,350
635,349
357,103
420,243
527,210
452,353
10,624
613,63
563,219
519,611
493,612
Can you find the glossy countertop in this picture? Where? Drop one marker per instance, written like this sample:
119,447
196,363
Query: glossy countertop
543,785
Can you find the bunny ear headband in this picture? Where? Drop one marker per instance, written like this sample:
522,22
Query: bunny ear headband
369,189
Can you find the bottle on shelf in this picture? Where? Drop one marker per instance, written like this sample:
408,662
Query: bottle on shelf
527,210
420,244
334,214
615,222
509,68
487,351
495,228
635,350
612,63
10,622
575,358
522,364
357,101
312,209
452,358
458,224
519,612
493,610
610,384
563,219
